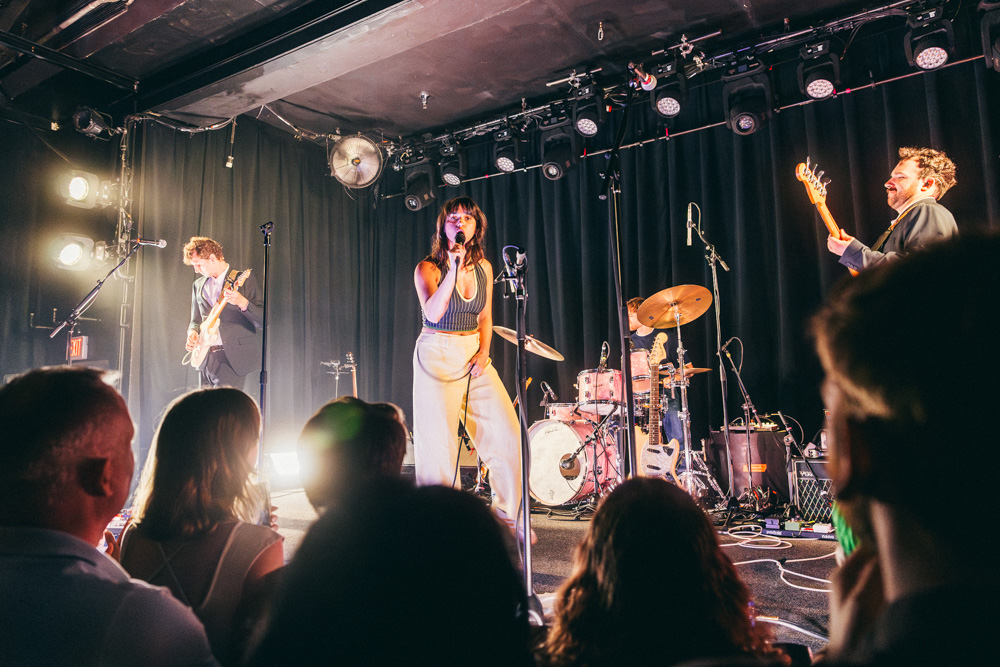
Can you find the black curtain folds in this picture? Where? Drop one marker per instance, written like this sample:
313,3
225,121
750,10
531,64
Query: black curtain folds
342,260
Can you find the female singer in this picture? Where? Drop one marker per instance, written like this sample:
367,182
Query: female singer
453,378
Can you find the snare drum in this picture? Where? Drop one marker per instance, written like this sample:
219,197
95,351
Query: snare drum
640,371
564,412
599,391
551,445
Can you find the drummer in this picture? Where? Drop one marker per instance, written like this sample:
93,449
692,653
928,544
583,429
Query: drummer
642,339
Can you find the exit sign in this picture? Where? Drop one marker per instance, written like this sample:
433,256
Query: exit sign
77,348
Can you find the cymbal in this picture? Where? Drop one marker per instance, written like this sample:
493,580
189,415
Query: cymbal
658,310
530,344
676,375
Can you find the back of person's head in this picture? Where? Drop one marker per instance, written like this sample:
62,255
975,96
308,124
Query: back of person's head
198,470
56,426
908,346
650,554
401,575
348,441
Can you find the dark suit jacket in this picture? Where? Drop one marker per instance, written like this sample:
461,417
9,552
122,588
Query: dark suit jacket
927,222
240,329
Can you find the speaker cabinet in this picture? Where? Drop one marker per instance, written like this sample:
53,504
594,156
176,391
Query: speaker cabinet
767,461
811,493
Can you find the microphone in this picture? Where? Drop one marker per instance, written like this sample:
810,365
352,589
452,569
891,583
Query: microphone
460,238
605,350
726,344
646,81
548,391
161,243
690,223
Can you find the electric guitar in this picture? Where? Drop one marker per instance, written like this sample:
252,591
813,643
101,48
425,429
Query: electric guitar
656,460
208,334
816,188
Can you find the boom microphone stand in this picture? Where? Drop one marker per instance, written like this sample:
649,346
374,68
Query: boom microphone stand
713,259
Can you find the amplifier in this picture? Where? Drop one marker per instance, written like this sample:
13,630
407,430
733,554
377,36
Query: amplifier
767,460
812,495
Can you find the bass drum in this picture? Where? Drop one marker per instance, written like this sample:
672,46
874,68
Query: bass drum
551,445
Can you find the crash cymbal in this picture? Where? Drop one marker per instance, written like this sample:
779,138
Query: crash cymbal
530,344
658,311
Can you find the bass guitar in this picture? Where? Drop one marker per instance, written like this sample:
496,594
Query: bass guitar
656,460
816,188
208,334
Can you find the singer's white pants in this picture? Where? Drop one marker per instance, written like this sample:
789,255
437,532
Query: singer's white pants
439,385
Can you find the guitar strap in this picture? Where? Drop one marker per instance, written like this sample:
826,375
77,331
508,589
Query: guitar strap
880,241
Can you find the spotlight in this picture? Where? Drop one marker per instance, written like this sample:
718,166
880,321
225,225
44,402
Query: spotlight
75,252
558,153
506,150
990,28
588,110
746,98
92,123
669,96
819,71
85,190
419,189
452,165
929,40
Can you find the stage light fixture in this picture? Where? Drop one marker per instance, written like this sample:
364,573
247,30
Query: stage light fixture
671,93
588,110
930,39
76,252
84,189
990,29
93,123
452,165
558,152
746,98
506,150
420,187
819,71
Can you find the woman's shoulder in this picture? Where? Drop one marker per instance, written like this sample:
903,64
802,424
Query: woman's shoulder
252,535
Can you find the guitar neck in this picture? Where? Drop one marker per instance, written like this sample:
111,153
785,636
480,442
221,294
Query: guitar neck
654,405
831,224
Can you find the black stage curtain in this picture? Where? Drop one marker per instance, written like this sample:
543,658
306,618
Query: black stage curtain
342,260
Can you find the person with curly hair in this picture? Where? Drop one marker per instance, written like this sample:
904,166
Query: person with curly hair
650,566
193,527
915,185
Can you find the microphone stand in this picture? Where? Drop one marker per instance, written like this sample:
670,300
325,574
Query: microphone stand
713,259
748,407
612,185
86,303
516,284
262,485
789,440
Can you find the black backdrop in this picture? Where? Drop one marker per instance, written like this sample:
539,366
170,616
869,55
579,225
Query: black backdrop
342,261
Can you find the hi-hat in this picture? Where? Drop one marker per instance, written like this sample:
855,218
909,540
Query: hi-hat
660,310
530,344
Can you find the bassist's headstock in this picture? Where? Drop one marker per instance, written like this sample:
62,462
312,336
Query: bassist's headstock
656,352
813,180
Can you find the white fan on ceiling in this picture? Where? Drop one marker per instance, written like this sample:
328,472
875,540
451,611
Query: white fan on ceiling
356,161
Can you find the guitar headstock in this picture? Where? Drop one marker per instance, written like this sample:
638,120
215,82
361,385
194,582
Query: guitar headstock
241,278
813,180
656,352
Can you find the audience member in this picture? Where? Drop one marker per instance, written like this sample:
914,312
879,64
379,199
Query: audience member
651,586
347,442
65,469
191,530
907,350
406,576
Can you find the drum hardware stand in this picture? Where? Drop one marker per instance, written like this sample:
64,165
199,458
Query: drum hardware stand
589,504
690,475
714,259
748,407
515,280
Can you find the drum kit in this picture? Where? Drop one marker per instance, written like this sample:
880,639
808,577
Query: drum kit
574,452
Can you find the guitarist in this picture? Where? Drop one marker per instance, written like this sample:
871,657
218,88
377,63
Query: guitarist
916,184
237,353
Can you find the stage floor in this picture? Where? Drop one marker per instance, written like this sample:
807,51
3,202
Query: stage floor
777,595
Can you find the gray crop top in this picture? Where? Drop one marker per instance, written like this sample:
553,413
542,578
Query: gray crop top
462,313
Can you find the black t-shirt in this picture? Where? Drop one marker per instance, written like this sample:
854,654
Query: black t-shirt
670,347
